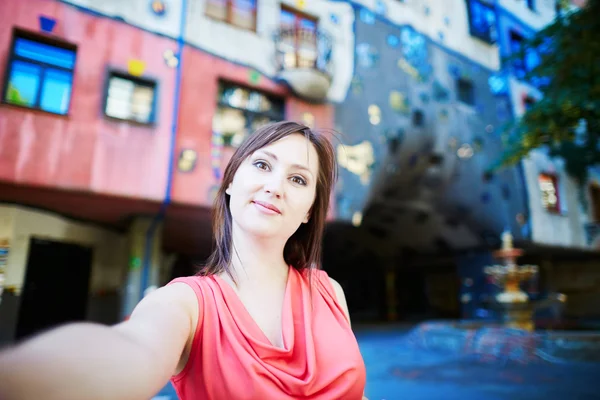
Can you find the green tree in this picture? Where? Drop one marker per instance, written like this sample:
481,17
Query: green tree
13,96
566,120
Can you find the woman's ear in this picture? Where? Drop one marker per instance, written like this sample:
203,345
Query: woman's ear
306,218
228,190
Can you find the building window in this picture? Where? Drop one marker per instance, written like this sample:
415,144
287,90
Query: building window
298,39
466,91
594,191
528,102
130,98
549,192
531,5
525,64
39,73
241,111
482,20
418,118
518,64
241,13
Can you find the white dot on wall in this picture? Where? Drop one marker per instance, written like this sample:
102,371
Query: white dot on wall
374,114
465,151
308,119
357,218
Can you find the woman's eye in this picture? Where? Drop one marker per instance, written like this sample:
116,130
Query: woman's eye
299,180
262,165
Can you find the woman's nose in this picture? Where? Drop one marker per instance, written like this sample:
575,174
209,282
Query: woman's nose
274,186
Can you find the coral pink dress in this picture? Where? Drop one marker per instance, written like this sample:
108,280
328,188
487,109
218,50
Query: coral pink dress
232,359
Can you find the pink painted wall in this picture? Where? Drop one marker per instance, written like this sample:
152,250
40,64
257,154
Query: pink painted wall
88,152
85,151
201,73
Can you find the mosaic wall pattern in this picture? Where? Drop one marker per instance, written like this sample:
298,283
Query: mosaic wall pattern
434,135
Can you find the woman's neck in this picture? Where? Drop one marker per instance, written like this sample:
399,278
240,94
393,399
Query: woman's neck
256,259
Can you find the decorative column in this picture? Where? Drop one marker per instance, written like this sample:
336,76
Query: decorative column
390,288
392,303
137,249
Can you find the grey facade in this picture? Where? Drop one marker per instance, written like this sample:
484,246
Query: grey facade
440,117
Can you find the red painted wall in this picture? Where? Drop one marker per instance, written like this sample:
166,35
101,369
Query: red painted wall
85,151
201,73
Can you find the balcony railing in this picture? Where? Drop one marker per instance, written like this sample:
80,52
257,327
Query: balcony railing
304,60
303,48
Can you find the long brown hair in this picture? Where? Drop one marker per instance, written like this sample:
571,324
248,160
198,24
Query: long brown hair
303,249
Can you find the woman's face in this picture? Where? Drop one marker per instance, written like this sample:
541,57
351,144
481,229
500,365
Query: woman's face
273,190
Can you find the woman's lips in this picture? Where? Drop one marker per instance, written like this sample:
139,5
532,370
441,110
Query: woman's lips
267,208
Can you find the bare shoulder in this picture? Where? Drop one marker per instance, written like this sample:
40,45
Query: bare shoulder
173,307
340,296
175,294
339,291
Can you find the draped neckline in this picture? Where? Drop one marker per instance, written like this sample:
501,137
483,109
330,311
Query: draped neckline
248,322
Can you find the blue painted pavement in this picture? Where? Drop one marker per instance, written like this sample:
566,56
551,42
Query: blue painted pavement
397,370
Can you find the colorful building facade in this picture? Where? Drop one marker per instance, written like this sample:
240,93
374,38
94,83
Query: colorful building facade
431,93
117,119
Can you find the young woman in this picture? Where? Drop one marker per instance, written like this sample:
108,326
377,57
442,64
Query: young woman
260,321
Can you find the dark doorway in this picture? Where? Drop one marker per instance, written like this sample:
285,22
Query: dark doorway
427,292
56,286
411,292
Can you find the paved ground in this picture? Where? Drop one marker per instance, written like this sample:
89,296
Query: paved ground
396,371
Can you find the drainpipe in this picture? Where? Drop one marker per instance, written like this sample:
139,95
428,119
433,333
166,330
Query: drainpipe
151,232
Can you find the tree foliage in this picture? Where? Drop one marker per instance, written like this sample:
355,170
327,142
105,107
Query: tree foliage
566,119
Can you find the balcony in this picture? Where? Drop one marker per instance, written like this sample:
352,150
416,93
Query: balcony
303,60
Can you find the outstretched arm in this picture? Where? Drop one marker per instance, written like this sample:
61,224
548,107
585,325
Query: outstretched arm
85,361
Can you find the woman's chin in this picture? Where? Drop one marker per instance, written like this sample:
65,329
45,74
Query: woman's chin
268,233
266,228
263,229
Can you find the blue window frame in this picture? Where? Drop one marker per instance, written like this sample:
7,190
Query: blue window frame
531,5
522,65
39,73
515,42
466,91
130,98
482,20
